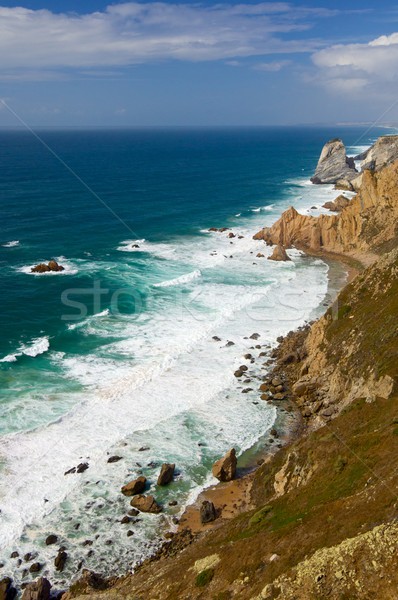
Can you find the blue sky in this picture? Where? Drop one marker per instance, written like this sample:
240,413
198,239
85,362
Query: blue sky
198,63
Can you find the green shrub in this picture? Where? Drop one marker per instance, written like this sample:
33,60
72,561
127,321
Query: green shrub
204,577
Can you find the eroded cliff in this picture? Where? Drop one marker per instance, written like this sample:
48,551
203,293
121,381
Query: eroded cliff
366,226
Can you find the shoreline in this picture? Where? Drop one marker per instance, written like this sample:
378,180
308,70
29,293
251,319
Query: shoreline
233,497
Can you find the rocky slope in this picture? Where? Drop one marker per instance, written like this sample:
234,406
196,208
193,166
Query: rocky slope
363,229
322,517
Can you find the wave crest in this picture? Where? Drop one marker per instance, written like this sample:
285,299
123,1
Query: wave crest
187,278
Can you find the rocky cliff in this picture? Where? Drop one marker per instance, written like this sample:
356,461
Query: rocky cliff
363,228
334,164
383,152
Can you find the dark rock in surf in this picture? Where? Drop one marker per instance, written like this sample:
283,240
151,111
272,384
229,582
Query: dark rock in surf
7,591
114,459
166,474
134,487
146,504
60,560
38,590
46,268
51,539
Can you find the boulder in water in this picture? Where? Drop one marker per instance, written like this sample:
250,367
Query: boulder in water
338,204
146,504
7,592
60,560
134,487
279,253
166,474
38,590
45,268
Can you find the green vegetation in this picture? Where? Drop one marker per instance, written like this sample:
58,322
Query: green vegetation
204,577
260,516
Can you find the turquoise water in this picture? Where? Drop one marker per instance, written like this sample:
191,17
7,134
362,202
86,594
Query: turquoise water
117,351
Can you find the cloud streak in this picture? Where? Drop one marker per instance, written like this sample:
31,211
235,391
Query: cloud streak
135,33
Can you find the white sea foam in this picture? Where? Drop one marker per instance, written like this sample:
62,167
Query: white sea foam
9,358
33,348
181,280
36,346
158,249
12,244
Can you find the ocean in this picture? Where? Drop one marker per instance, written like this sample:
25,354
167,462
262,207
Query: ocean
131,350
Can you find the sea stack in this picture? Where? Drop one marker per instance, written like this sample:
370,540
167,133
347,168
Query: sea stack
279,253
334,166
225,468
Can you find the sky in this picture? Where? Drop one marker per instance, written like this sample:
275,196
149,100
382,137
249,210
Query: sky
193,63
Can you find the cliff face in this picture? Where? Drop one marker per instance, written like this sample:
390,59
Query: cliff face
352,351
383,152
368,222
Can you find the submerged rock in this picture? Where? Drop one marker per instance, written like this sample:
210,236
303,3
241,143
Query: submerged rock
35,567
114,459
225,468
79,469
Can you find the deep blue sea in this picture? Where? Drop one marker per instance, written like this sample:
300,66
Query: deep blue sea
117,353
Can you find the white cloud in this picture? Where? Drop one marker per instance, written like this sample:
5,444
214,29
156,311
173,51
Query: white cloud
134,33
353,67
272,67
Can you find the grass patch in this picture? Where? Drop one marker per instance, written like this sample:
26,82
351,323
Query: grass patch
260,516
344,311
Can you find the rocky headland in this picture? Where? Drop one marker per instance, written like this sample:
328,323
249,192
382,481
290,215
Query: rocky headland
318,517
365,226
